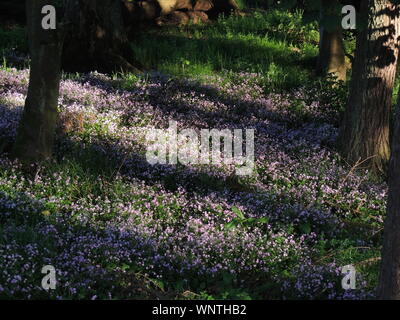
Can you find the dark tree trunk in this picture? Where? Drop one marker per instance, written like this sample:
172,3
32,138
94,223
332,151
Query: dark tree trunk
332,57
98,39
389,281
36,130
364,134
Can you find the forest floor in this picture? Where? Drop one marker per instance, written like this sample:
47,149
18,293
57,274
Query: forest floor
114,226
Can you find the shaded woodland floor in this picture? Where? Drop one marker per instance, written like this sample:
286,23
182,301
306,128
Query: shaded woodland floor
116,227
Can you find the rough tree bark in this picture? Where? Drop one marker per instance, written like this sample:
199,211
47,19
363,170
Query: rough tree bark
36,130
389,281
332,57
364,134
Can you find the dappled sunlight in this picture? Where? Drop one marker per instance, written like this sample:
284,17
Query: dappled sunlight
119,218
171,220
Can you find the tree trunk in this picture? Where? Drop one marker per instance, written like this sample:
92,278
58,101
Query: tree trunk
364,134
389,281
98,39
36,130
332,57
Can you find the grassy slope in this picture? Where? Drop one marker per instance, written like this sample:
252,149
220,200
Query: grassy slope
275,45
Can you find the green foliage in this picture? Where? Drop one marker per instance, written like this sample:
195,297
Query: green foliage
275,44
241,220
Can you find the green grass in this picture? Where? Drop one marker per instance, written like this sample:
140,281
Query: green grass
275,44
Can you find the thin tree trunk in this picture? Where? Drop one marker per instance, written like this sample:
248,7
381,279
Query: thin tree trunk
389,281
36,130
364,134
332,59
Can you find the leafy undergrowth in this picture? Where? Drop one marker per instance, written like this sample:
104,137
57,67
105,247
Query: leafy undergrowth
109,221
276,45
114,226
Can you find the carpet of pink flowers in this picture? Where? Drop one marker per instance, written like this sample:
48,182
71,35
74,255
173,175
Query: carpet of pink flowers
110,223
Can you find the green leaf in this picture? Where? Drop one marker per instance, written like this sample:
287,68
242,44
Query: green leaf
251,221
159,284
232,224
263,220
238,213
125,267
